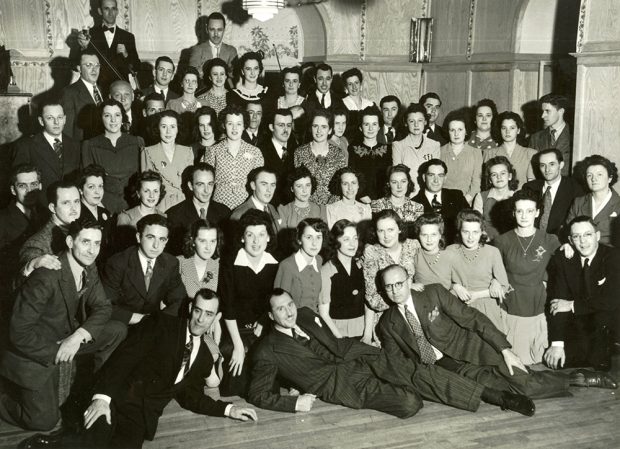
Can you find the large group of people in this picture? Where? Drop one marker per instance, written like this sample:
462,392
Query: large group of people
293,244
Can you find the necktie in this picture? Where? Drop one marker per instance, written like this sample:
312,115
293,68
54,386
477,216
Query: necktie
187,353
149,274
107,28
97,95
585,280
84,281
284,152
217,52
390,135
58,148
203,213
553,131
300,335
436,204
323,100
427,354
544,219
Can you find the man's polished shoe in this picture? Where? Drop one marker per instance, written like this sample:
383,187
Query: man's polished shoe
518,403
42,440
596,379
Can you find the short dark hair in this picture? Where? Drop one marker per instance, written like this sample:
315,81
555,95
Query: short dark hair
207,66
52,189
499,160
470,216
389,213
250,56
425,166
256,217
388,99
24,168
215,124
399,168
431,219
371,111
340,110
296,70
335,187
582,219
335,233
164,59
300,172
189,248
205,293
558,153
526,195
147,176
350,73
190,70
111,102
509,115
326,114
76,226
428,95
171,114
555,100
199,166
233,109
87,52
416,108
324,68
277,291
216,16
153,96
91,170
254,174
315,223
50,102
456,118
283,112
486,102
150,220
597,159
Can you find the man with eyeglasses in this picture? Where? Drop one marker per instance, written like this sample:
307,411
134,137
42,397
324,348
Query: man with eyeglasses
584,301
435,199
52,151
439,332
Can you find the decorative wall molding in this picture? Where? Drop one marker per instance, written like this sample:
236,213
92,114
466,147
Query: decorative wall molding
126,17
470,33
582,25
48,28
426,8
363,9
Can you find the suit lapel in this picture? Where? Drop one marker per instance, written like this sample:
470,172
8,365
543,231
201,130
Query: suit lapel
47,154
84,93
135,273
401,329
68,290
159,274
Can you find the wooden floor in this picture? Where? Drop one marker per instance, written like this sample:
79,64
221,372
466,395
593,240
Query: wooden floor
589,419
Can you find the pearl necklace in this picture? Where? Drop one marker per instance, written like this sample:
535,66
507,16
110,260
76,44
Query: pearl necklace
434,262
470,259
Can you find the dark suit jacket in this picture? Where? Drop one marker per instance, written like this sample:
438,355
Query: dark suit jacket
15,229
440,135
140,374
321,370
606,220
452,202
248,204
80,110
568,190
281,167
459,331
565,282
400,133
182,215
48,309
123,281
541,140
171,95
37,151
50,239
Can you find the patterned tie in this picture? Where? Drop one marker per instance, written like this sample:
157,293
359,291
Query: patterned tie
97,95
390,135
58,148
426,350
544,219
149,274
436,204
284,152
585,280
187,353
553,131
203,213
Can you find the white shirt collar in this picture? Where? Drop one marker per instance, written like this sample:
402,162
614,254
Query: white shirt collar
430,195
199,206
328,97
91,88
242,260
278,146
192,356
144,261
595,210
302,263
50,139
157,89
554,187
76,270
590,258
558,129
257,204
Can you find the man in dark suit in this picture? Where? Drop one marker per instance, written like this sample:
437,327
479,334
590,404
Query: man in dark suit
59,314
433,327
116,47
199,205
432,104
53,152
213,47
79,100
301,350
253,133
392,128
447,202
557,192
163,73
323,97
143,279
557,132
122,92
165,358
276,151
40,250
584,321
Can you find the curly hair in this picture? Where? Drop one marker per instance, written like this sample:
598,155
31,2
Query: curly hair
470,216
399,168
91,170
337,231
596,159
335,184
509,115
254,217
431,219
294,176
147,176
189,247
389,213
315,223
233,109
499,160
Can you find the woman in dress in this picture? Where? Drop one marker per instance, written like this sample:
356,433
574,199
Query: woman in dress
432,264
494,202
215,75
346,185
341,303
602,203
291,78
199,268
118,153
478,275
233,159
91,186
526,252
370,157
464,161
246,280
512,128
299,273
206,132
188,101
320,157
338,138
248,89
148,190
301,185
399,188
354,102
392,247
416,148
168,159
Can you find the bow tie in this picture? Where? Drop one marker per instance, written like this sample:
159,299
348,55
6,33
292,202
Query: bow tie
106,28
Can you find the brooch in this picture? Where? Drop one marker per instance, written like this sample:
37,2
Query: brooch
208,277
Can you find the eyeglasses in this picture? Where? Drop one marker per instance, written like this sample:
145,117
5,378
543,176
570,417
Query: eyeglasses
585,235
395,286
90,65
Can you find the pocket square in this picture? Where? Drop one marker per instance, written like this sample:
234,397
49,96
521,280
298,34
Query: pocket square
614,214
602,281
318,321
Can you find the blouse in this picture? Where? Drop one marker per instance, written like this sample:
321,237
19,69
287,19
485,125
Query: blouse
217,103
180,105
521,160
292,215
303,285
322,168
372,163
410,211
353,212
405,152
475,270
464,171
433,269
193,281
